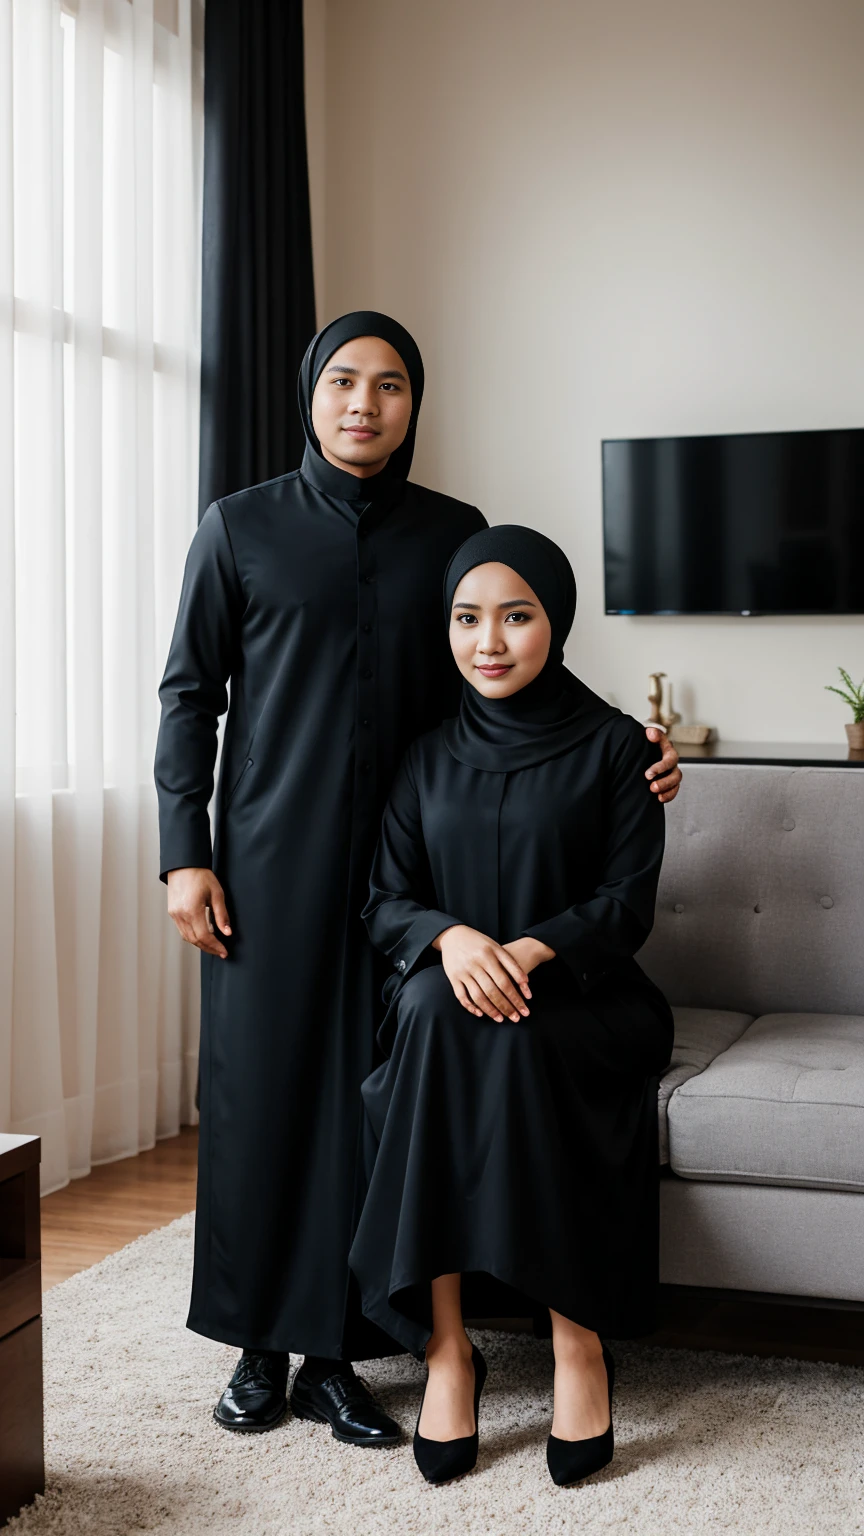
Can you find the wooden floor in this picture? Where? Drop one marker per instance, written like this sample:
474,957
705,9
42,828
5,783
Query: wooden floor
116,1203
95,1216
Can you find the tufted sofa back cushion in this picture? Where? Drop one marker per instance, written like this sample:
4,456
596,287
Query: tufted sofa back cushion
761,901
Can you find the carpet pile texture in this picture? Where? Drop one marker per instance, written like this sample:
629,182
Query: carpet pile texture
705,1442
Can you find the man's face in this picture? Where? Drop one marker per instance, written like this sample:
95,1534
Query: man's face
361,407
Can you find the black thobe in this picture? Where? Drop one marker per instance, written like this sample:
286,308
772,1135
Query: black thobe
523,1156
325,614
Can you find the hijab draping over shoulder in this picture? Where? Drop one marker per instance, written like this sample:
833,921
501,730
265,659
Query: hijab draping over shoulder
329,478
556,711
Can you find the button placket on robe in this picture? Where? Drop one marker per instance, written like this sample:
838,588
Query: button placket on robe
365,765
500,782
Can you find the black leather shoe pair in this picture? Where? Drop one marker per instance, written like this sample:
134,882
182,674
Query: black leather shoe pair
254,1399
571,1460
441,1460
343,1402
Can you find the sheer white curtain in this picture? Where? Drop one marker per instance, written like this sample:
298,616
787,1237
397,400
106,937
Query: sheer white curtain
101,108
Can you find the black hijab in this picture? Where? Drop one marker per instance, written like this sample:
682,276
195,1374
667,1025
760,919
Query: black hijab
556,710
328,477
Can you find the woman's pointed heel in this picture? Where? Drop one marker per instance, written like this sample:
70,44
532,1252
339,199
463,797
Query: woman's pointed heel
571,1460
441,1460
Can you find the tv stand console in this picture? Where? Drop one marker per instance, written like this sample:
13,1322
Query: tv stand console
773,754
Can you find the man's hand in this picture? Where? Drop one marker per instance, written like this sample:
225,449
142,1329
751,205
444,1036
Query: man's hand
190,893
529,953
485,976
666,774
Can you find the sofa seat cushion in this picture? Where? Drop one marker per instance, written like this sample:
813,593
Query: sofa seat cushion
700,1035
783,1105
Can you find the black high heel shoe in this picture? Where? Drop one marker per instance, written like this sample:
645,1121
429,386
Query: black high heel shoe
441,1460
571,1460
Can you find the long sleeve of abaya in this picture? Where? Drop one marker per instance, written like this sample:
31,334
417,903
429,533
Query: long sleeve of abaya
400,915
194,694
615,922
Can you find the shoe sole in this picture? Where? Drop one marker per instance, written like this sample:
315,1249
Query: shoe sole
372,1441
251,1429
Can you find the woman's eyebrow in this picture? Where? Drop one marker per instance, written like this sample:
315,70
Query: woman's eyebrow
386,373
515,602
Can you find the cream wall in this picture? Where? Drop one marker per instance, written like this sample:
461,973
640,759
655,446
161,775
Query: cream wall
608,219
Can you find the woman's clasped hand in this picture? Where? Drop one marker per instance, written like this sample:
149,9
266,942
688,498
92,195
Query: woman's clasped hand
490,978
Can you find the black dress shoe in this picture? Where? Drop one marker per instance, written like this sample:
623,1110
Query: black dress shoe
254,1399
343,1402
571,1460
441,1460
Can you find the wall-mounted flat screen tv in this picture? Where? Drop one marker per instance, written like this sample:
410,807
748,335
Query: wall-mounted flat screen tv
753,523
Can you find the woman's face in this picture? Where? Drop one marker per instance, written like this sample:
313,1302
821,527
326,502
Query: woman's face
361,405
499,631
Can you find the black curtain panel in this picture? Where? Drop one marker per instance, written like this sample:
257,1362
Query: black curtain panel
258,301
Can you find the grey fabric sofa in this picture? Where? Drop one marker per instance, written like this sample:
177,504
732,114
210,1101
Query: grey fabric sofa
759,946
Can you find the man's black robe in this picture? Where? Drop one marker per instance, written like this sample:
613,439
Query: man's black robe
324,611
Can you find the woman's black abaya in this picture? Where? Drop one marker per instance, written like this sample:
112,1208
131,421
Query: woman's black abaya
523,1156
318,595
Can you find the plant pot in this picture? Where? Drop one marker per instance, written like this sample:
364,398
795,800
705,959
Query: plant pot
855,736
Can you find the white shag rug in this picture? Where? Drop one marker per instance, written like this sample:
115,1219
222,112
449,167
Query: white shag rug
705,1442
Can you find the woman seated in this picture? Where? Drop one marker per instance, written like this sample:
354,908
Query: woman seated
512,1131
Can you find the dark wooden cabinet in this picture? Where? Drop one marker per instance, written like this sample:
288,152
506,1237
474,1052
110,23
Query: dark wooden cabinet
22,1462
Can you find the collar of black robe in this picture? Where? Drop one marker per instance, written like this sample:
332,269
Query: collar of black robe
385,488
557,710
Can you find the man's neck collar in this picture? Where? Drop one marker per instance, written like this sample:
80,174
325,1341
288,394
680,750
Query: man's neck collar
343,486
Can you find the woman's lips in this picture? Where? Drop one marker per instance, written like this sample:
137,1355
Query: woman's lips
362,434
495,670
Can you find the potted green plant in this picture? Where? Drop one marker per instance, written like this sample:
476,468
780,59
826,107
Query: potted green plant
854,697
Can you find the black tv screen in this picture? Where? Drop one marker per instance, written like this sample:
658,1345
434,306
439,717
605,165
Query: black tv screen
757,522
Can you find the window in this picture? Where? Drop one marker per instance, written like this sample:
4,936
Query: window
106,152
101,129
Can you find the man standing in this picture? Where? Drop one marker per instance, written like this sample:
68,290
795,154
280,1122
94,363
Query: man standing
319,596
